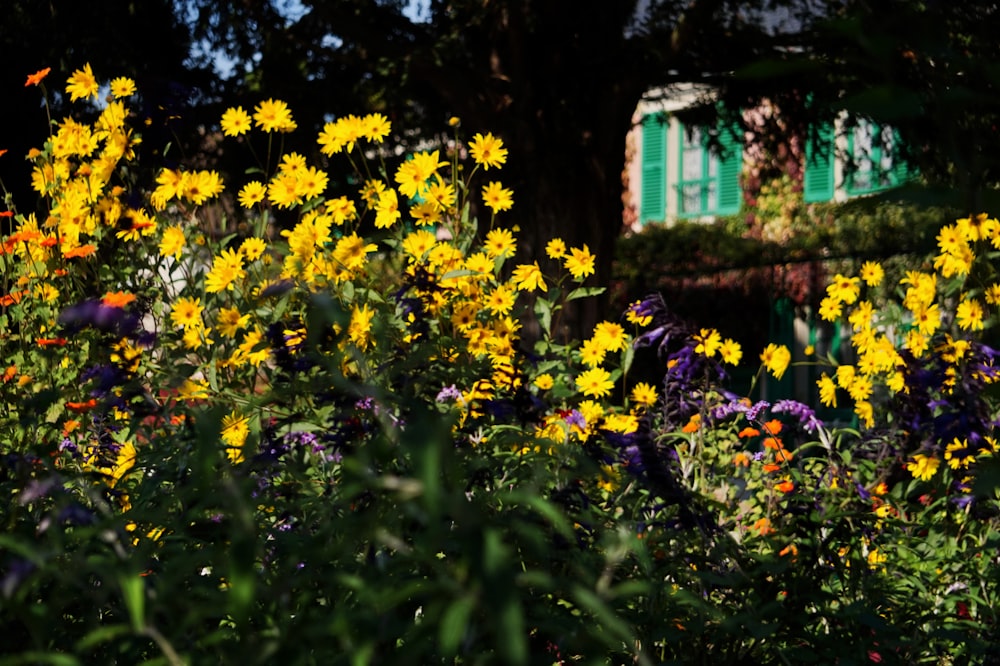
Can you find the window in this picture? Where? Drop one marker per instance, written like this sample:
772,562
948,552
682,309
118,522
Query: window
709,182
652,202
874,166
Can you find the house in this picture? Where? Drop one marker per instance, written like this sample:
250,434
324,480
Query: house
673,174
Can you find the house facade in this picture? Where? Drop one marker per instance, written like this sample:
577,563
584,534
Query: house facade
673,175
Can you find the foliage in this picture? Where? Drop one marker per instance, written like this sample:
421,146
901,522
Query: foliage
331,443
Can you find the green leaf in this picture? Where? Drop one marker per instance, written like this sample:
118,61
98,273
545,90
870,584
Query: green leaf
39,658
453,624
627,357
543,308
134,595
616,629
102,635
513,643
584,292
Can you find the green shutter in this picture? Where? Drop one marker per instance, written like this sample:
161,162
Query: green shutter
730,196
817,181
653,199
902,171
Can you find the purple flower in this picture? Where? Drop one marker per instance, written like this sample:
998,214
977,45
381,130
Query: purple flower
754,413
448,394
805,415
575,418
724,411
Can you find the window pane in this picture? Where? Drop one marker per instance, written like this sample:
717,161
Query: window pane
691,167
691,198
862,156
885,161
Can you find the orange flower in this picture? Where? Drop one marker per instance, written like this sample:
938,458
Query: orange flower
80,407
7,213
748,432
48,241
36,78
762,526
741,460
9,373
771,467
82,251
117,299
3,151
692,425
51,342
773,443
69,426
773,427
790,549
785,486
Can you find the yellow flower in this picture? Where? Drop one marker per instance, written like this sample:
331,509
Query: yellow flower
610,336
528,277
927,319
592,352
958,454
731,352
419,243
865,412
199,186
644,394
252,248
595,383
413,174
499,243
633,317
544,381
970,315
387,209
172,242
341,134
487,151
227,268
923,467
500,301
872,273
168,186
235,429
186,312
579,262
827,390
122,87
776,359
497,197
556,248
341,209
709,341
193,389
359,330
195,336
844,289
993,294
82,84
231,321
274,116
830,308
352,250
235,121
375,127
